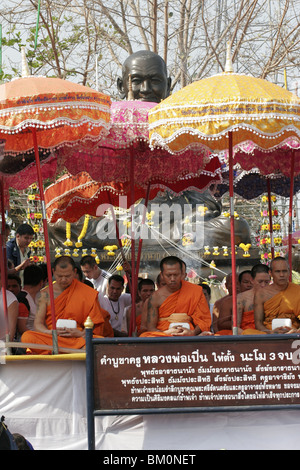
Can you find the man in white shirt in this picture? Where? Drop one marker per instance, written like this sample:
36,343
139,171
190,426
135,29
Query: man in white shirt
12,312
98,277
33,283
115,303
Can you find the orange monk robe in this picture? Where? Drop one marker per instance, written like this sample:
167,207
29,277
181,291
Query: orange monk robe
77,302
285,304
246,323
248,320
189,299
138,322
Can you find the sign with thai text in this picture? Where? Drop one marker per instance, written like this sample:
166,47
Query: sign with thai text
137,375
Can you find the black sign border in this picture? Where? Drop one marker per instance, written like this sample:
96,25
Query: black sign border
92,342
195,339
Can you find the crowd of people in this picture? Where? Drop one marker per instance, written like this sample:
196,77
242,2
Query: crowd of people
168,306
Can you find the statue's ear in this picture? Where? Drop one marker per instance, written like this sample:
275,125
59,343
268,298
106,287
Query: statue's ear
120,87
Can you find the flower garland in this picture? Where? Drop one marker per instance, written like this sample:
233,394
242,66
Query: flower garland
34,217
264,239
68,241
216,251
78,244
76,251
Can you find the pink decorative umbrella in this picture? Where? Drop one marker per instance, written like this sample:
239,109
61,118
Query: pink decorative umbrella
42,114
126,149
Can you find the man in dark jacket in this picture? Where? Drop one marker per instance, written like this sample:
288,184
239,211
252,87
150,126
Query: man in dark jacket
17,249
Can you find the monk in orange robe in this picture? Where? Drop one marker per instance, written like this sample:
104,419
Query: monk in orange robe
179,308
281,299
74,300
245,300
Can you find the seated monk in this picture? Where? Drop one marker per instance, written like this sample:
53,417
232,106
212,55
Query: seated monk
245,300
179,308
222,310
74,300
281,299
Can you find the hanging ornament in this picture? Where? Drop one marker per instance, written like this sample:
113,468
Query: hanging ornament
187,239
202,210
58,252
277,241
93,252
110,249
225,250
245,248
149,217
206,250
126,240
78,244
68,241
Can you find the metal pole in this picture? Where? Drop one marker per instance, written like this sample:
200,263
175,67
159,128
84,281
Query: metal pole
90,383
270,218
134,274
232,239
291,212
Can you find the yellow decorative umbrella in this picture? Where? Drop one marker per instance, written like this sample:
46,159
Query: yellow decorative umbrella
248,119
257,112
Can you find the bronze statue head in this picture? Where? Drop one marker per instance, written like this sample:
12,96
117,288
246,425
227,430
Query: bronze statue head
149,77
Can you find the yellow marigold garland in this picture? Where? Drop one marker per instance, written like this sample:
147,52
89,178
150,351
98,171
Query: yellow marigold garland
78,244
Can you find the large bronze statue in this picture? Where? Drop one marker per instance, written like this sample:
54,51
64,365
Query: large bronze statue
149,77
